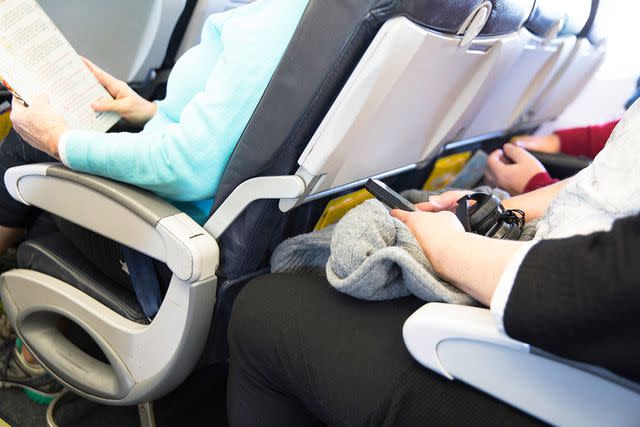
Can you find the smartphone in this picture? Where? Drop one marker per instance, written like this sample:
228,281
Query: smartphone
388,196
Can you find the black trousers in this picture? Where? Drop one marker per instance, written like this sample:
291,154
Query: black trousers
15,152
303,354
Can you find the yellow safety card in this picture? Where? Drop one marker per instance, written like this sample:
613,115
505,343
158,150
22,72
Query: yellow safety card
337,208
5,125
445,170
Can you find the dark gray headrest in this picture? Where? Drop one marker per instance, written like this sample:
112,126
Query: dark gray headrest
545,16
447,16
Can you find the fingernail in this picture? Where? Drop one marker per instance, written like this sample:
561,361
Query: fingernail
437,201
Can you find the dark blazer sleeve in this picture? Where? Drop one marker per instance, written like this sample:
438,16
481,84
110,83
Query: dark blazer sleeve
579,298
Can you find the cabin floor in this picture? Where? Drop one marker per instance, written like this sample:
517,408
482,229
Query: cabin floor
199,401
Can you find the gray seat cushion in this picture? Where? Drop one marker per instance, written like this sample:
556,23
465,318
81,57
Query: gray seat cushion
52,254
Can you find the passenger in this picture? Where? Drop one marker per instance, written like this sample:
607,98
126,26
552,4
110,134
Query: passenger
187,138
184,148
304,354
522,172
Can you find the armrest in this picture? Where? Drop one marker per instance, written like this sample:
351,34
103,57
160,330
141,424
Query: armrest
435,323
131,216
560,165
463,343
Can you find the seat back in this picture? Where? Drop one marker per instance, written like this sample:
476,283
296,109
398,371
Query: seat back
543,53
412,90
137,40
324,52
572,76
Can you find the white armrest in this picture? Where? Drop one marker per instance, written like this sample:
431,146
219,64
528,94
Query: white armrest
126,214
254,189
463,343
435,323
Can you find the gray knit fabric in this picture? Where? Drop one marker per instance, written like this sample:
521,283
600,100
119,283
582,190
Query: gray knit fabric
370,255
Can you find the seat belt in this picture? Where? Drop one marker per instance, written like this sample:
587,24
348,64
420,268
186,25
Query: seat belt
144,280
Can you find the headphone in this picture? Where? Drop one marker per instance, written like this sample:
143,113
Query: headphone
488,217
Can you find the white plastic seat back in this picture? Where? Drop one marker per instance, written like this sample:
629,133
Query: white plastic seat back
127,38
413,90
521,84
567,83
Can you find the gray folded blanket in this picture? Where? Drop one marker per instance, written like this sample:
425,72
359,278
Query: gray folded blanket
370,255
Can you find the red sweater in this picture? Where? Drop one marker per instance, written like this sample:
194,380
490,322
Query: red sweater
585,141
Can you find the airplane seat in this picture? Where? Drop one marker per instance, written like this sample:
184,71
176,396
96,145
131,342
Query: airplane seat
547,45
351,89
355,111
575,72
137,40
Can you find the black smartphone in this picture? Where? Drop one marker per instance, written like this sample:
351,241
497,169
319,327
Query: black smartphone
388,196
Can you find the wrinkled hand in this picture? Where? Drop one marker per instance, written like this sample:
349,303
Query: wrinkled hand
39,124
545,144
131,106
433,231
512,177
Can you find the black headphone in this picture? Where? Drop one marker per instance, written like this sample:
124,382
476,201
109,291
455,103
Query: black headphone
488,217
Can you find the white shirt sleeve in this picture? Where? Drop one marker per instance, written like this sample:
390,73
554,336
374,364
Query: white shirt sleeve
62,152
503,290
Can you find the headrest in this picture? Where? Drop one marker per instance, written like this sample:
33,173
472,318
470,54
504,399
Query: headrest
545,18
507,16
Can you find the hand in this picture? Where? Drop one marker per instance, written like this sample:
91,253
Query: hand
433,231
40,124
447,201
545,144
131,106
515,176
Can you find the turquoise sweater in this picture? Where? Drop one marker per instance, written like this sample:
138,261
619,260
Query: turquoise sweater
212,92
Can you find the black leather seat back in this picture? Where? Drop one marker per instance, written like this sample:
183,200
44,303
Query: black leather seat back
330,40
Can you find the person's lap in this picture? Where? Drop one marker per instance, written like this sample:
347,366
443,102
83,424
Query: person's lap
300,347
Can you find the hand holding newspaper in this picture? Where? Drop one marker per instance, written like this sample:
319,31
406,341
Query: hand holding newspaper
36,59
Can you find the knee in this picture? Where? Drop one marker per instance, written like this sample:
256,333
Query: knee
255,317
265,308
